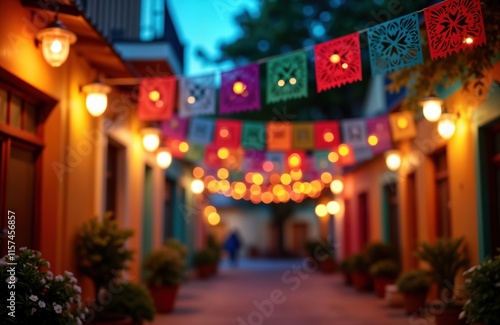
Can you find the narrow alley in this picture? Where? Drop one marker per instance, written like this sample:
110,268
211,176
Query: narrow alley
277,292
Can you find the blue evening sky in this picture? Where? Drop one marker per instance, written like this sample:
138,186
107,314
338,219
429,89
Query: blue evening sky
206,24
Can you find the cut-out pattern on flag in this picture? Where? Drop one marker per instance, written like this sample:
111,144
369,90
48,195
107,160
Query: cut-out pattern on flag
453,26
321,162
326,135
395,44
176,127
196,153
379,134
354,132
287,77
211,157
303,136
201,131
227,133
240,90
279,136
402,125
254,159
338,62
278,160
156,98
254,135
197,96
362,154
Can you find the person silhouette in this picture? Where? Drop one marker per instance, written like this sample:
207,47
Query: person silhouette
232,245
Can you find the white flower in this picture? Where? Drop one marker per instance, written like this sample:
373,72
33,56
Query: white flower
33,298
22,249
59,278
77,288
48,264
50,275
3,262
58,309
42,281
33,310
41,304
73,280
68,273
462,315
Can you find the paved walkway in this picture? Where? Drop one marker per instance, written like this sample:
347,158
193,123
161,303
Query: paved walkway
277,293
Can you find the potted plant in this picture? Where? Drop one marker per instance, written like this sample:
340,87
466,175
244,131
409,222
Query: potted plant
101,250
133,300
217,249
204,261
164,273
383,272
376,251
446,257
414,286
321,251
482,286
102,255
31,294
346,268
360,277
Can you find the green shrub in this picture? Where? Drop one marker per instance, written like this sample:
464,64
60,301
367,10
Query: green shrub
414,282
177,245
375,252
204,257
132,300
319,248
482,286
165,266
346,264
359,263
214,246
101,250
385,268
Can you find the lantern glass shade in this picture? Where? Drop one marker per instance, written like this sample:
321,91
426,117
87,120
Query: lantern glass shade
151,139
56,40
321,210
446,125
97,98
393,160
337,186
163,158
197,186
432,108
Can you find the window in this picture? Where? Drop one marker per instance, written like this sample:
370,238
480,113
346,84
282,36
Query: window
114,179
443,215
493,161
22,109
152,20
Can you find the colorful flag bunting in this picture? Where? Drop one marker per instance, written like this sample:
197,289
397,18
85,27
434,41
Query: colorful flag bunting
240,90
379,134
278,161
211,157
321,161
338,62
303,135
254,159
326,134
176,127
345,155
402,125
354,132
201,131
395,44
254,135
227,133
156,98
453,26
235,159
296,159
196,153
287,77
197,96
279,136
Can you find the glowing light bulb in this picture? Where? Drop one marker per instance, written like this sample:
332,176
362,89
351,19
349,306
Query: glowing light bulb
432,108
335,58
393,160
446,125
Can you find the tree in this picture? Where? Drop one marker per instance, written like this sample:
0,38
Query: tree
284,26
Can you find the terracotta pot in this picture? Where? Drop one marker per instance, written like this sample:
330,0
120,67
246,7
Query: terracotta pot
327,266
361,281
111,319
449,316
380,283
164,298
205,271
393,297
347,277
414,302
